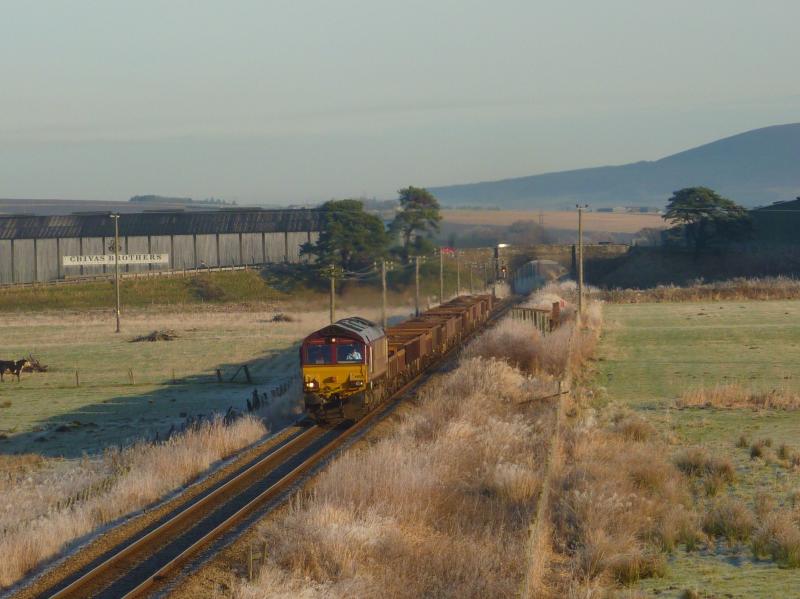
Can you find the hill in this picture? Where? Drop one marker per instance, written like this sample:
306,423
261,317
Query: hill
752,168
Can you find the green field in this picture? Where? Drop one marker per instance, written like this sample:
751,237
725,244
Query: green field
651,353
203,288
48,413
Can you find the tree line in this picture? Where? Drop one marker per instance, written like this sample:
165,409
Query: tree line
702,218
352,239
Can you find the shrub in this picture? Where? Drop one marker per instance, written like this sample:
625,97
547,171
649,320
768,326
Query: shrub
696,461
635,428
779,538
729,518
759,448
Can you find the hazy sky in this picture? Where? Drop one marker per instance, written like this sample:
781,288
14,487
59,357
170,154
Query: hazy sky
296,101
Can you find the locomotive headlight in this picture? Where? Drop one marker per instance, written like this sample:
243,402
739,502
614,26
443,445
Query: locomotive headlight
311,385
356,383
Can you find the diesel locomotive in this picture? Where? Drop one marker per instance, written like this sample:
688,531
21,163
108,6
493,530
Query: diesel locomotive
352,365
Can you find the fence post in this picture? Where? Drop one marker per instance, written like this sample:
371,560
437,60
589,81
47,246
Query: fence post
555,317
219,375
77,379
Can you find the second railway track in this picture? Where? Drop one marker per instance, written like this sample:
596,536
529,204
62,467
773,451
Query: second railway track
143,563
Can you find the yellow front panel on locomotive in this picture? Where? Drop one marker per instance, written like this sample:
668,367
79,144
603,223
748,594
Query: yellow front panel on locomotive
342,380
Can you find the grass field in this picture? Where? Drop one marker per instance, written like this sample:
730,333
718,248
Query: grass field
608,222
206,288
47,413
651,353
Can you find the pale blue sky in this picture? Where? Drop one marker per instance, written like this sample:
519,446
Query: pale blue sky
300,101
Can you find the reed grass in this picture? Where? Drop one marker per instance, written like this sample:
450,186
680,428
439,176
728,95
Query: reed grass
737,396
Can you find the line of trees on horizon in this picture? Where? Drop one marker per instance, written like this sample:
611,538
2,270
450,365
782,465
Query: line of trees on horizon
352,239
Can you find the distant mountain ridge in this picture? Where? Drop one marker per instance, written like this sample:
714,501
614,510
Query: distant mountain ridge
752,168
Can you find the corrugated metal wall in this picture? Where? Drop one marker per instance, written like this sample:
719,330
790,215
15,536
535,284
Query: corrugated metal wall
38,259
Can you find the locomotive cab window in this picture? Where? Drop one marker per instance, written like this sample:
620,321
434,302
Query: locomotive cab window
319,354
349,353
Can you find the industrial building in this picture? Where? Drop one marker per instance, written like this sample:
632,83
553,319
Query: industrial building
32,247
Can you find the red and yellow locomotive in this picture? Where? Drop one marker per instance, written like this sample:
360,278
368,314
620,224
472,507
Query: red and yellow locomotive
352,365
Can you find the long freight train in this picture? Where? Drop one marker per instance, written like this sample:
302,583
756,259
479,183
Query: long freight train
352,365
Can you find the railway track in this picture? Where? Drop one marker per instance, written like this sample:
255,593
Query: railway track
143,564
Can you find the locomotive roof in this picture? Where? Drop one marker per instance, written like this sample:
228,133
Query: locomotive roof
361,328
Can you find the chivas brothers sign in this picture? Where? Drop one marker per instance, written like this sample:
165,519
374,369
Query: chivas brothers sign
108,259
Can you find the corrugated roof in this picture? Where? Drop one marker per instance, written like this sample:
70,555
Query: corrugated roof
362,328
160,223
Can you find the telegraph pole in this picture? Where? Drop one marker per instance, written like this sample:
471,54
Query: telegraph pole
416,283
333,295
471,288
580,261
116,264
383,293
458,275
441,276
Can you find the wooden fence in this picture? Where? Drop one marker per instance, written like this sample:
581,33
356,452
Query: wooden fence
543,319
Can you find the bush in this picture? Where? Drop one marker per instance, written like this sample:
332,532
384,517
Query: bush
779,538
729,518
635,428
696,461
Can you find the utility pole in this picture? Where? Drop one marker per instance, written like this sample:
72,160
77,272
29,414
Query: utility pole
458,275
116,264
485,278
416,283
441,276
333,295
383,294
471,288
580,259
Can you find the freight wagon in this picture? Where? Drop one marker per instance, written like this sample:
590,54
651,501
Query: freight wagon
352,365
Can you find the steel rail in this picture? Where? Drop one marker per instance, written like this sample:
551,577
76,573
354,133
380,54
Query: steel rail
185,520
187,511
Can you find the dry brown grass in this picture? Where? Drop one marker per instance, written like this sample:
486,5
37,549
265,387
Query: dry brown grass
697,462
735,396
620,505
767,288
440,508
564,350
729,518
778,536
633,427
42,513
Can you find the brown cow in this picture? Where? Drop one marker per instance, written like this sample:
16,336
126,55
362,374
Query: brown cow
15,368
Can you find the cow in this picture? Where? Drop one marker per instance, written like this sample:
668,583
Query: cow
15,368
